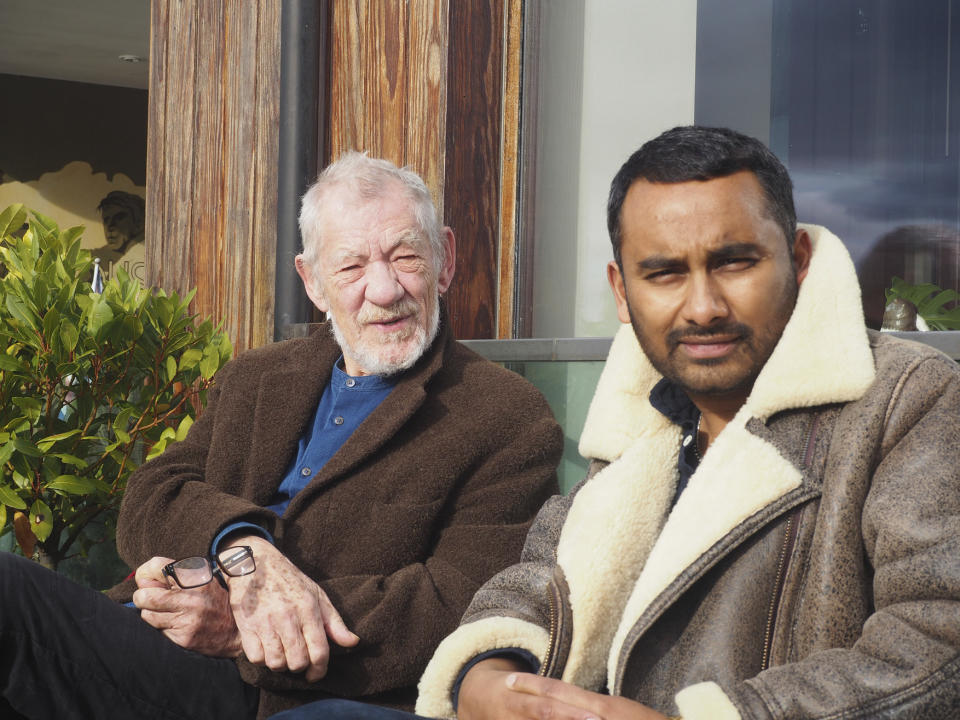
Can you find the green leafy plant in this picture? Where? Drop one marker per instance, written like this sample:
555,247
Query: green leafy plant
930,301
91,385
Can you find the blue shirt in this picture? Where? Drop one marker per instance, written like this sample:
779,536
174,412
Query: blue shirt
346,402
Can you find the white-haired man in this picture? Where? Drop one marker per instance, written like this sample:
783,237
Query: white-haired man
378,474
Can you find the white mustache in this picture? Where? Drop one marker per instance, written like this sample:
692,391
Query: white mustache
374,314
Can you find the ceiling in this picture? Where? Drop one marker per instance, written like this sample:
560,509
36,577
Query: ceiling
77,40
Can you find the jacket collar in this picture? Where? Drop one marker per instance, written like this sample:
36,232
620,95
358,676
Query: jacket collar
297,388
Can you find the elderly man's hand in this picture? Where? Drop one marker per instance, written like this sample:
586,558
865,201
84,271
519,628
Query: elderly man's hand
198,619
493,690
285,619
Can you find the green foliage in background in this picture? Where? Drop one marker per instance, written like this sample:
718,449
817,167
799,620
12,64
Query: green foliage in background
90,385
930,301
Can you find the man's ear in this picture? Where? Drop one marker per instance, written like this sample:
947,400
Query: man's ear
449,267
310,284
802,252
615,278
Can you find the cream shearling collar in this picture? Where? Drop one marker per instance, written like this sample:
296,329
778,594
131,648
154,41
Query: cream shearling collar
826,333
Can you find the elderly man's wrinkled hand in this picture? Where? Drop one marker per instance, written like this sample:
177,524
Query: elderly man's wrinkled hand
285,619
198,619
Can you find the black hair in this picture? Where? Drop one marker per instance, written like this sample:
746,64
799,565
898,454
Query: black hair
703,153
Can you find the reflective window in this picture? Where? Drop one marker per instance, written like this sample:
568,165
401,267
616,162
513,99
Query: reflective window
855,97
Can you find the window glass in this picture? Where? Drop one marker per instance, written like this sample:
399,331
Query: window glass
854,97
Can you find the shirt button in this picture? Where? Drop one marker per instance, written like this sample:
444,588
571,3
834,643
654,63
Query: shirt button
351,382
305,472
338,420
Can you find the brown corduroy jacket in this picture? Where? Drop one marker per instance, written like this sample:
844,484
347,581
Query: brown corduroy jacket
429,497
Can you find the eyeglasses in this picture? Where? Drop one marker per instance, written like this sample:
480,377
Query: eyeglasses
196,571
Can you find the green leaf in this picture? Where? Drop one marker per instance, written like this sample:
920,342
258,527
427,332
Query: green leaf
120,422
48,442
183,428
171,368
69,459
9,497
12,363
99,315
189,359
11,220
69,335
160,445
72,484
32,407
210,363
6,450
19,310
26,447
21,480
3,517
41,520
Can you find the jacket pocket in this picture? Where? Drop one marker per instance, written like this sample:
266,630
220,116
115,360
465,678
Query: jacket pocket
561,625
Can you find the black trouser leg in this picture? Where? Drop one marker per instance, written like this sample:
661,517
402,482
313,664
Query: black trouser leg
70,652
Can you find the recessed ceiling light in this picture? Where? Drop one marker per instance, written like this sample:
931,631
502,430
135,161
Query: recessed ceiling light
131,59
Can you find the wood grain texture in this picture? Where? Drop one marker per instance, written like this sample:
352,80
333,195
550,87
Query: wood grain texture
426,112
472,178
212,153
510,167
420,84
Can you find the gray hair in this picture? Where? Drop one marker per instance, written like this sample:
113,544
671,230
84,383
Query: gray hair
371,179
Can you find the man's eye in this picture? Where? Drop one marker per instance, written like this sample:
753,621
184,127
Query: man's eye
737,263
662,275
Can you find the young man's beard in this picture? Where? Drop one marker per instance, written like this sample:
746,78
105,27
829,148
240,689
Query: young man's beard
707,376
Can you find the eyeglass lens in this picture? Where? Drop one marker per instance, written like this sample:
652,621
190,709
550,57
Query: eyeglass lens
192,571
236,561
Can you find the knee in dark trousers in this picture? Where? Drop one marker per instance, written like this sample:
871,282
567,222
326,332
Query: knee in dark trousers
67,651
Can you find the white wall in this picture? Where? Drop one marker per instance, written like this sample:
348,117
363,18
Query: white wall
637,64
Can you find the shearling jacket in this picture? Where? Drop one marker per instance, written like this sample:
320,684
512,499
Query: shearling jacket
810,569
429,497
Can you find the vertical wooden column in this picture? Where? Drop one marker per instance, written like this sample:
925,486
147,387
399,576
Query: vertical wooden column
420,83
388,68
211,159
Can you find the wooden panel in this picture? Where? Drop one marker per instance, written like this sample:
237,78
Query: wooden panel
510,168
368,78
264,182
427,93
472,181
212,153
420,83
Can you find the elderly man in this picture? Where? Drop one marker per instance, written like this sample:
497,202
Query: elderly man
770,527
377,474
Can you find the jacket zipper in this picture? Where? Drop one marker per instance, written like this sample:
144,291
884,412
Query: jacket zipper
789,540
554,624
560,627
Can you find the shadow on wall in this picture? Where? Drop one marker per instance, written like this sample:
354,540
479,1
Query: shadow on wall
107,207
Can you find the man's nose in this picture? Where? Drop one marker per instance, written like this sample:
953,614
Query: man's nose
383,286
704,303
